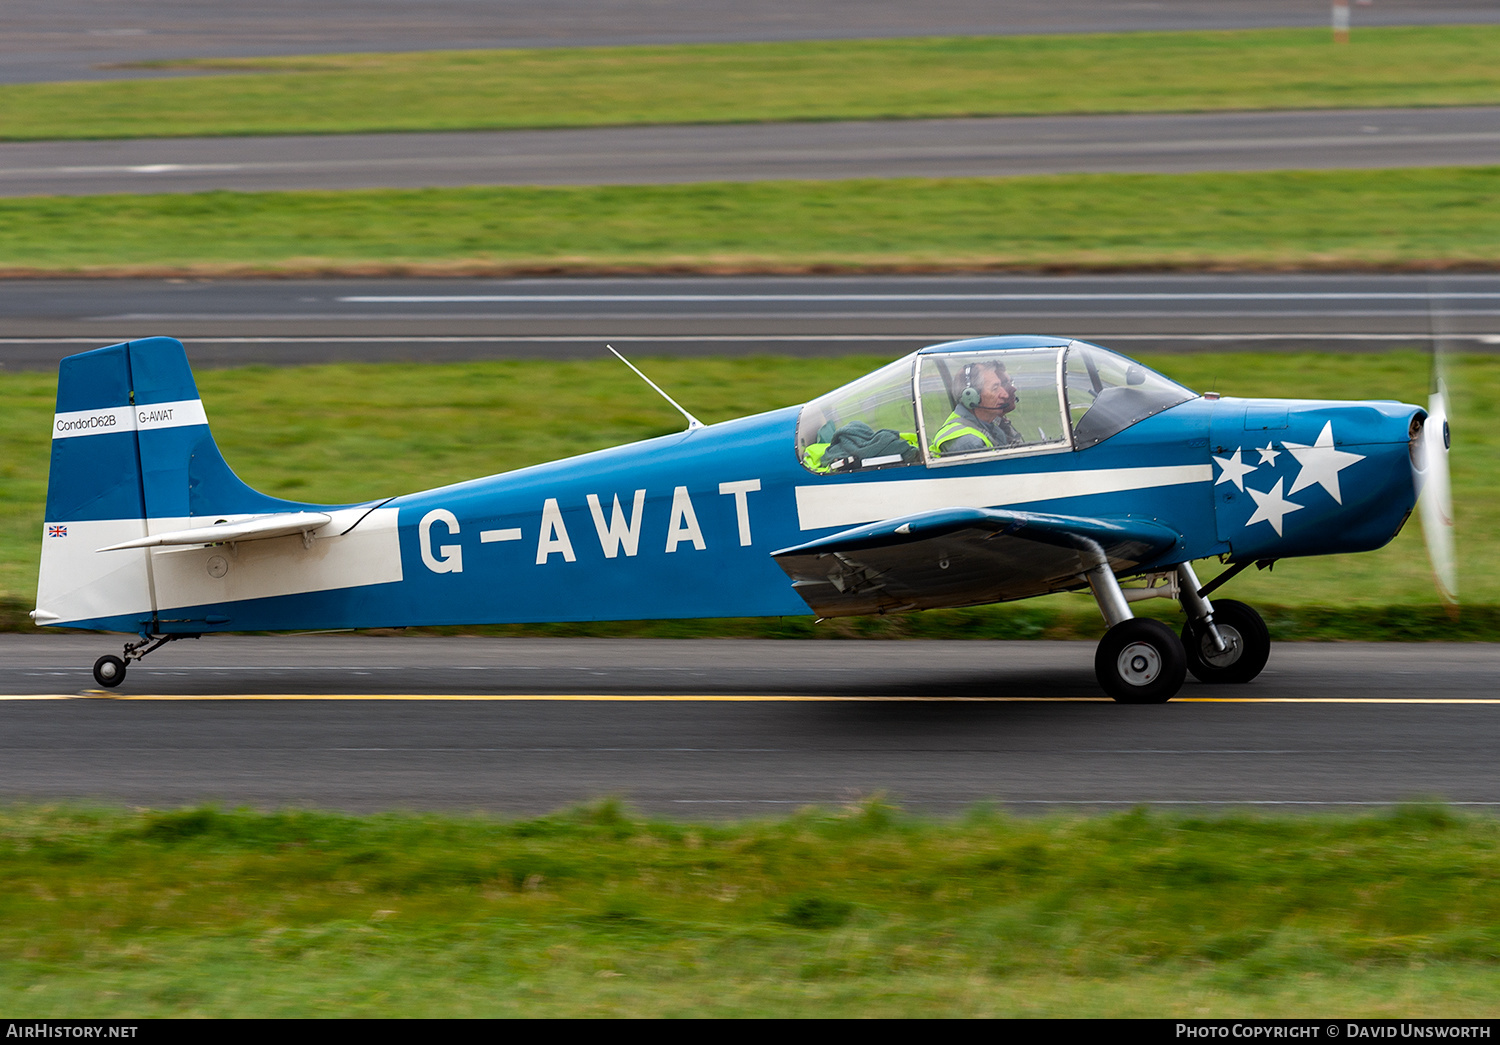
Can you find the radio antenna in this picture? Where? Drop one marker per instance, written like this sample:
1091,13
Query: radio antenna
692,421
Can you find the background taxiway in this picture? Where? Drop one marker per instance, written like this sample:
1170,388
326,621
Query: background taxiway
947,148
287,322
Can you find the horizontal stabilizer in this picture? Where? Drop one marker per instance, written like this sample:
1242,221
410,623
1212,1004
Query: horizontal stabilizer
963,557
258,529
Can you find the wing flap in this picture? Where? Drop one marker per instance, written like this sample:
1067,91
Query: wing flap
962,557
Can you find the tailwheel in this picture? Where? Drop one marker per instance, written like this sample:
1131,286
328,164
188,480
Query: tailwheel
109,671
1247,644
1140,661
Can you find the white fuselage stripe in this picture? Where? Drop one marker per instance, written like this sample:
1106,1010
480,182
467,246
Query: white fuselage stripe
853,504
147,417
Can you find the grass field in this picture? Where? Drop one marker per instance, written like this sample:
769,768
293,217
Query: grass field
350,433
861,911
818,80
1439,217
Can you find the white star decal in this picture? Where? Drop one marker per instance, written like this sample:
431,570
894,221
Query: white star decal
1267,455
1234,470
1271,507
1321,463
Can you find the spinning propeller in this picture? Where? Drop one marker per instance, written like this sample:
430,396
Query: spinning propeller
1436,500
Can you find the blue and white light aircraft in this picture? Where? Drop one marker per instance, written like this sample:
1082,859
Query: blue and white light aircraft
966,473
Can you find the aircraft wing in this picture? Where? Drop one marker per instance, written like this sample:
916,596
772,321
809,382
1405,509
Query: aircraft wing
261,528
963,557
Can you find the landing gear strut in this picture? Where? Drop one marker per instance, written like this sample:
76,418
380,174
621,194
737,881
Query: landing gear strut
1141,661
1247,642
1226,641
1138,661
109,671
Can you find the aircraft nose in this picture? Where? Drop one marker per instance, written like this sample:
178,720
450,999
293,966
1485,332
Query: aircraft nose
1330,478
1387,502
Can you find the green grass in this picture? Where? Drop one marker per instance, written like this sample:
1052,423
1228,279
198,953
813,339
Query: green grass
1287,219
818,80
349,433
859,911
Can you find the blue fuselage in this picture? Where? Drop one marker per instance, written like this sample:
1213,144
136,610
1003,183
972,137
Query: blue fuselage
684,525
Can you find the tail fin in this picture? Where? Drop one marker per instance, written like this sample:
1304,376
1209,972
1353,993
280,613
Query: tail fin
131,455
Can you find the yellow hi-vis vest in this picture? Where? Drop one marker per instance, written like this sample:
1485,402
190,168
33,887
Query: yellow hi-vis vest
954,427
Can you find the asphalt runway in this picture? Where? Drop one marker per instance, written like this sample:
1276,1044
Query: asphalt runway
934,726
86,39
287,322
1366,138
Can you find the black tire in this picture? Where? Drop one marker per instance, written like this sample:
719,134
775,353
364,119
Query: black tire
109,671
1140,661
1242,628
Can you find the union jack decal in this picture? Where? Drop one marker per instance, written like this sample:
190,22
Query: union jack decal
57,531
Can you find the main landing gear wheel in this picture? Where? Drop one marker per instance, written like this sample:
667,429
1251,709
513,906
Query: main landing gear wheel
1140,661
109,671
1243,632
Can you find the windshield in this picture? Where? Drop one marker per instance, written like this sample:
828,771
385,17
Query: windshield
1108,393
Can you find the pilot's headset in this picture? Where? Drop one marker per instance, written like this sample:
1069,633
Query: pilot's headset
969,397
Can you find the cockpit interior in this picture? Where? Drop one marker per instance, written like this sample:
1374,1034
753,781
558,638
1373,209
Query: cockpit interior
975,400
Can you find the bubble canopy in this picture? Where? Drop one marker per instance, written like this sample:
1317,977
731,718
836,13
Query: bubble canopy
975,400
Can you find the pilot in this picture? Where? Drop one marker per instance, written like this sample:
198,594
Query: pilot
983,394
